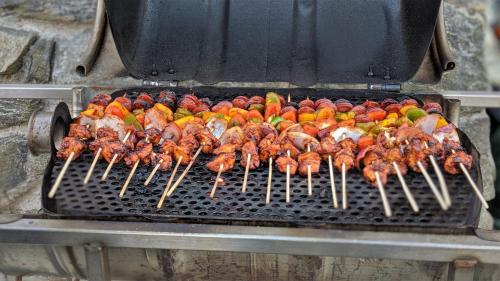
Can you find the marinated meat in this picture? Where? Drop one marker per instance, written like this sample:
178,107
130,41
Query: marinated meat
345,156
184,152
452,162
268,147
348,144
378,166
101,99
328,146
164,158
450,145
287,146
207,140
114,147
143,101
227,148
68,145
107,133
81,132
131,159
192,128
153,135
415,153
233,135
252,132
171,132
228,159
143,150
283,161
190,143
250,148
167,147
311,159
153,118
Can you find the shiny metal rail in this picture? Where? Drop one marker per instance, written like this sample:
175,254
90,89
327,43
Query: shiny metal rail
30,91
294,241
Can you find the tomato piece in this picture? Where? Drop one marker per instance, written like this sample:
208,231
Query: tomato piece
362,118
359,109
283,125
255,115
237,120
393,108
365,141
126,102
290,116
406,102
370,104
272,109
117,109
376,114
306,103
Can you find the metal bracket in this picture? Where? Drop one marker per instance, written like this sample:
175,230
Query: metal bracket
385,87
462,269
96,257
452,110
156,83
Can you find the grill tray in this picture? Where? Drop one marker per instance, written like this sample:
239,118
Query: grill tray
191,203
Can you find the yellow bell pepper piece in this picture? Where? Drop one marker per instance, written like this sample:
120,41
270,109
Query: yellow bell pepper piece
181,123
306,117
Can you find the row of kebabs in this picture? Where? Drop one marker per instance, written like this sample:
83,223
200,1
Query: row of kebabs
382,139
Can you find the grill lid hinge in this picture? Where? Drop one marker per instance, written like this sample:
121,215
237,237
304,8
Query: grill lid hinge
394,87
158,83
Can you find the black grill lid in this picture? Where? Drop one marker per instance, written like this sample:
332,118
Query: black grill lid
302,41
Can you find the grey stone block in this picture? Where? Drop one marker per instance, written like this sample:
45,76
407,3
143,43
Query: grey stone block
51,10
13,45
16,111
13,154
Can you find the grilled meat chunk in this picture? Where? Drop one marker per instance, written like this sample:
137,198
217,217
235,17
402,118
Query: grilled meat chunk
283,161
184,152
131,159
377,166
144,149
227,148
345,156
311,159
114,147
250,148
167,147
452,162
328,146
252,132
207,140
348,144
268,147
101,99
190,143
81,132
68,145
107,133
152,134
164,158
228,159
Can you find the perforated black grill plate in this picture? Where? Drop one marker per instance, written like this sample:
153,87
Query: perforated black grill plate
191,201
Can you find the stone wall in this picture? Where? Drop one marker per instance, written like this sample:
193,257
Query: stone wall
41,41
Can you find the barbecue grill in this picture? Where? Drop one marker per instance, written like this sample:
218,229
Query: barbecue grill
311,44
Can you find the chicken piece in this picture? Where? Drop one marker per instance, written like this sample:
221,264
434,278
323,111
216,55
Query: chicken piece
268,147
144,149
452,162
207,140
164,158
309,159
68,145
107,133
348,144
152,134
111,148
385,140
450,145
192,128
283,161
435,148
101,99
143,101
375,152
114,123
227,148
377,166
250,148
414,153
345,156
99,143
172,132
190,143
167,147
328,146
228,159
184,152
287,145
252,132
81,132
131,159
232,135
394,155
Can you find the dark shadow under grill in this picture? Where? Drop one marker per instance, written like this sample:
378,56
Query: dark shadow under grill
191,203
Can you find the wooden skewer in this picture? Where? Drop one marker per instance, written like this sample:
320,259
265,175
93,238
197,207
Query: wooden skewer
432,186
92,166
129,178
332,183
269,181
164,195
309,176
112,162
185,172
150,177
216,180
385,202
245,177
59,178
406,190
287,186
442,183
473,184
344,187
289,99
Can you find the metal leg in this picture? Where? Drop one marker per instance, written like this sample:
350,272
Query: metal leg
452,107
96,257
462,270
